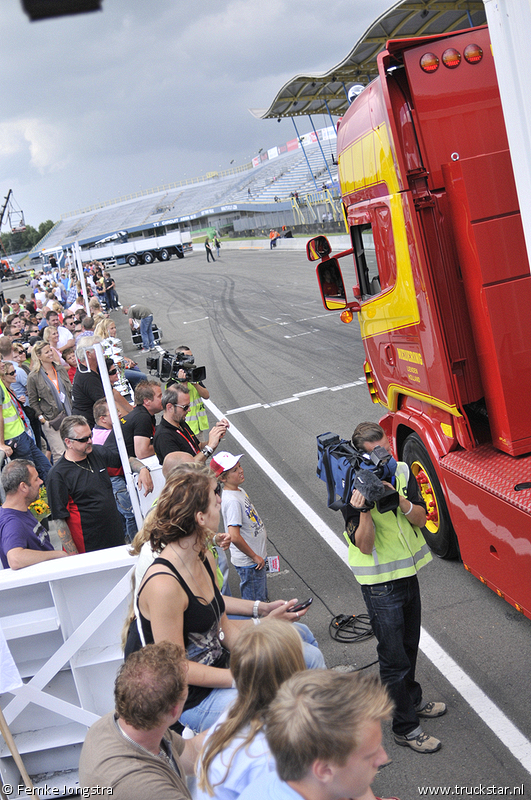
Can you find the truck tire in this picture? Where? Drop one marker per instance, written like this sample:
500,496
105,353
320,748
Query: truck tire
438,531
179,252
148,258
164,255
132,260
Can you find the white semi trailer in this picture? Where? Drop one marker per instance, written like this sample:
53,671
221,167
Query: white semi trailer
141,250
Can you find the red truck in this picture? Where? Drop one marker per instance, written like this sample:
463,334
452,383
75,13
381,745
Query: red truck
443,294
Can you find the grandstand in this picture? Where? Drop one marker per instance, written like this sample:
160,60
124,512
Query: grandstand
234,203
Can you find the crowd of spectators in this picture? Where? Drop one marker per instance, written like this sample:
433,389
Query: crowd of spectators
244,675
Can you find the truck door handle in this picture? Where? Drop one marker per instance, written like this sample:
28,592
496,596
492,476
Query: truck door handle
390,354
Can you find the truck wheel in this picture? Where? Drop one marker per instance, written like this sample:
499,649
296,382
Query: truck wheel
438,531
164,255
148,258
132,261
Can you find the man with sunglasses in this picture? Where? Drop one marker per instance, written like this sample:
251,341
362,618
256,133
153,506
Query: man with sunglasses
80,491
173,434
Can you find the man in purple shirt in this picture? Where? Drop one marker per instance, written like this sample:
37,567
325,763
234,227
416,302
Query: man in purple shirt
23,540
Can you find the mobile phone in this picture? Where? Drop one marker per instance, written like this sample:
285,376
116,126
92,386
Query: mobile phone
301,606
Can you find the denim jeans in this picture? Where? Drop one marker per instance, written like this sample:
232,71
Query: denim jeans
207,712
134,376
253,583
394,611
125,506
24,447
146,332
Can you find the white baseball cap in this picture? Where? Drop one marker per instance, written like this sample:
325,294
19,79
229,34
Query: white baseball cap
223,461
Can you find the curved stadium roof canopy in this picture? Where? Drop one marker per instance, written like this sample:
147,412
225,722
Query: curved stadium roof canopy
326,93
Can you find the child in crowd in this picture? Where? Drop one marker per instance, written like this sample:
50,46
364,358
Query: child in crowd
248,547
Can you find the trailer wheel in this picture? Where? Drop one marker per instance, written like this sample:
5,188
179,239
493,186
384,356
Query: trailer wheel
438,531
164,255
148,258
132,260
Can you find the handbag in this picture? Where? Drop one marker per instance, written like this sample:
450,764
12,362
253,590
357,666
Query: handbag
55,423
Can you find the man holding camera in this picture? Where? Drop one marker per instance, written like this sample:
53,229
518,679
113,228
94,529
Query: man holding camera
386,550
173,434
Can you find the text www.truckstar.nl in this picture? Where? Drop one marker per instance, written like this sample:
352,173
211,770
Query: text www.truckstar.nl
480,789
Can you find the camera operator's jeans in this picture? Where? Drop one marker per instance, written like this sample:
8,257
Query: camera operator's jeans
394,610
253,583
146,332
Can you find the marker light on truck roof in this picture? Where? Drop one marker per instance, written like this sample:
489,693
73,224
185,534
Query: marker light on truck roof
451,58
429,62
473,53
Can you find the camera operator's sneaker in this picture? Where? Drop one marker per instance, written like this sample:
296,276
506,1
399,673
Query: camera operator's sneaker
421,743
431,709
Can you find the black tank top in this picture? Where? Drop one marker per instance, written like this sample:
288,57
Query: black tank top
200,629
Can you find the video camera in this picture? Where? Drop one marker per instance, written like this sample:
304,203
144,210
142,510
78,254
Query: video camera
344,468
167,365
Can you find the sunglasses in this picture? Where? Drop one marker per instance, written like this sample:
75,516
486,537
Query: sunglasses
10,373
184,408
84,439
113,371
218,489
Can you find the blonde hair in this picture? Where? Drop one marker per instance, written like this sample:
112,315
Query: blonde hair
319,715
37,349
47,332
262,658
102,328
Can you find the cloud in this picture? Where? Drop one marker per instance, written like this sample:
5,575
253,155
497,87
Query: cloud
41,140
95,105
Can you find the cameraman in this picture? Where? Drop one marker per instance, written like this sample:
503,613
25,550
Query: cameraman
196,419
386,550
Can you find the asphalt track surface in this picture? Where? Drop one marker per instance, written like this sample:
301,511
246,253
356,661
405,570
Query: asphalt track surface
283,370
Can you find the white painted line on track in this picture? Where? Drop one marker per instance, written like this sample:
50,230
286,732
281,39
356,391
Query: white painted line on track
295,335
281,402
488,711
243,408
311,391
191,321
492,716
361,382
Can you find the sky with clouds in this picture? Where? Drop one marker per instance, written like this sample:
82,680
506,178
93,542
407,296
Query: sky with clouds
100,105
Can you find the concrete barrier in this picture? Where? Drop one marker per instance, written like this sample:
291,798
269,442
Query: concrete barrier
338,243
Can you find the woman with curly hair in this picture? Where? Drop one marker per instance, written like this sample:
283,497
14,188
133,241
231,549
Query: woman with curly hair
179,600
236,750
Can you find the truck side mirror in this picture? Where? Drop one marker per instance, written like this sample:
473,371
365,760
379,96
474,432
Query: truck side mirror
331,284
317,248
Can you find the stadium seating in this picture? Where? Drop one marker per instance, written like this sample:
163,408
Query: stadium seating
278,177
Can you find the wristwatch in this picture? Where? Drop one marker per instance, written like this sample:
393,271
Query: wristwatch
207,450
